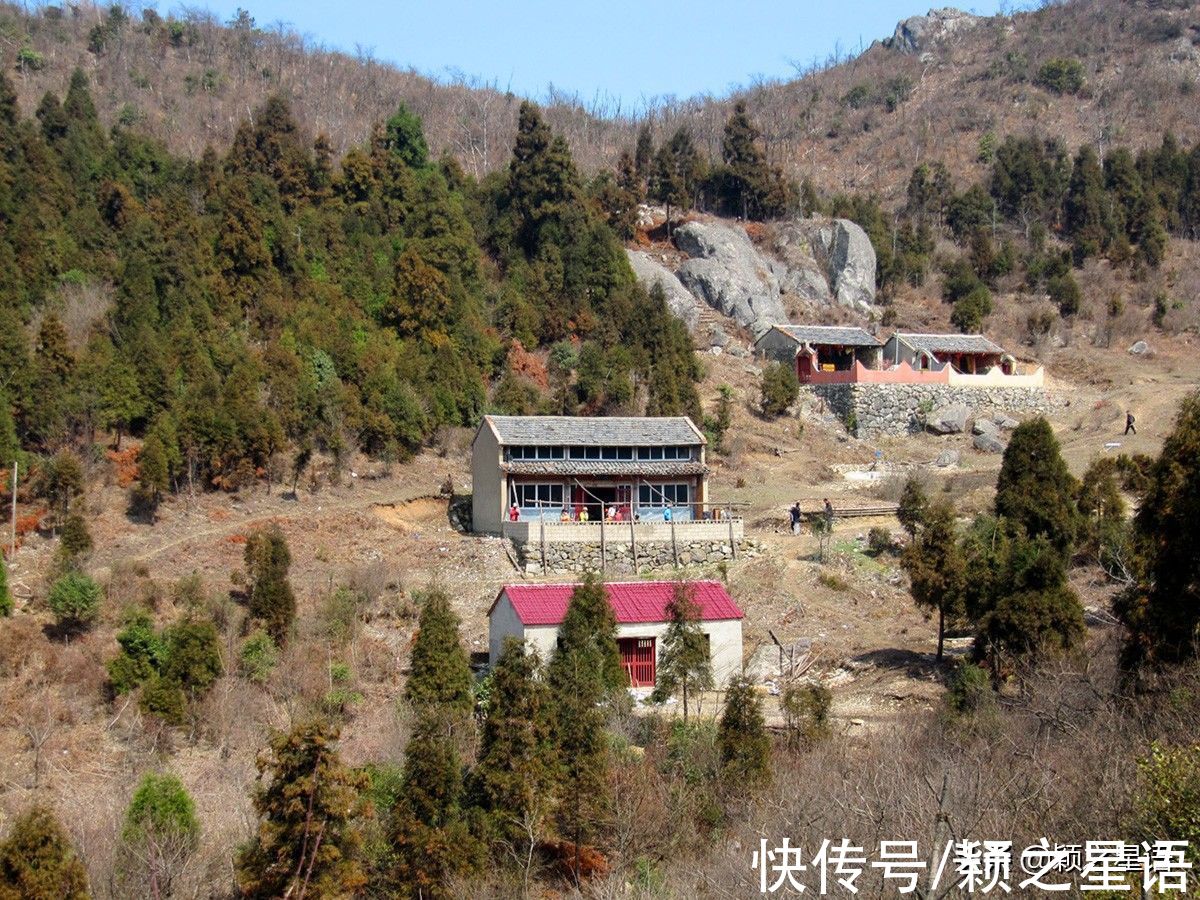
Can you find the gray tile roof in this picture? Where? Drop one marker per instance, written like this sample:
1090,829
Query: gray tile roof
613,431
647,469
840,335
950,343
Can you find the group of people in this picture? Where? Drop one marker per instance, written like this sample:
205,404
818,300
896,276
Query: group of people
797,517
581,514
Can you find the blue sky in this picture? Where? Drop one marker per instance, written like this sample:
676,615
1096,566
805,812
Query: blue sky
621,49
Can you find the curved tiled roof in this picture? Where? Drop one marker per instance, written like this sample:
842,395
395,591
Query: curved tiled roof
836,335
633,602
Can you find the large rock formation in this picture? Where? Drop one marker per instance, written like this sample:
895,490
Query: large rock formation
918,34
727,273
650,271
840,250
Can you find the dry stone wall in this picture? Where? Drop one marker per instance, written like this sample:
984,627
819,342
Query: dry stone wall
565,558
871,410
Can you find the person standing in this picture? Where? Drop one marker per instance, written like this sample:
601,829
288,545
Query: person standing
667,513
795,516
828,515
1129,420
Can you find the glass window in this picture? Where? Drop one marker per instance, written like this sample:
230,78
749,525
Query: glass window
578,453
593,452
664,494
624,453
608,453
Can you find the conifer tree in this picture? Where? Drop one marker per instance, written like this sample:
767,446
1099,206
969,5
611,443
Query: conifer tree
160,833
37,861
1035,490
742,738
584,671
1086,213
1161,608
10,447
430,837
745,162
271,599
406,138
307,840
643,152
684,664
516,769
440,675
153,473
935,567
912,507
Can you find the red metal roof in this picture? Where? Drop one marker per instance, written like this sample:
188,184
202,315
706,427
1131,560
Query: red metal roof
633,602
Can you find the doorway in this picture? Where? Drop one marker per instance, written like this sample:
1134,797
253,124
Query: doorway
638,661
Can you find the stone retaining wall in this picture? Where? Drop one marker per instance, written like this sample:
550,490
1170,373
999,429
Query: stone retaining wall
870,410
563,558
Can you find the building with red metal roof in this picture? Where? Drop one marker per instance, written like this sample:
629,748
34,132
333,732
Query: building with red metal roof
533,612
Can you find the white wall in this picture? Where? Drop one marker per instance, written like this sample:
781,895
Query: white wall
502,624
487,482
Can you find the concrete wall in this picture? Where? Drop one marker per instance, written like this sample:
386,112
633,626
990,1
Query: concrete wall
869,410
487,482
502,624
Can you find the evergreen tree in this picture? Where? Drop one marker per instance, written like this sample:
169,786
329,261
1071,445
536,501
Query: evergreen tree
75,601
935,567
1035,491
10,447
684,664
747,173
584,671
37,861
153,473
742,738
406,138
675,175
307,839
542,182
161,832
1086,215
913,506
516,770
779,390
643,152
440,674
270,596
1162,607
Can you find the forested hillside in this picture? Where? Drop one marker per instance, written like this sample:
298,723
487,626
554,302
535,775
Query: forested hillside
269,299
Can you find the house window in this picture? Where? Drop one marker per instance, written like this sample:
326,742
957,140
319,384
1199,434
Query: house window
538,496
652,495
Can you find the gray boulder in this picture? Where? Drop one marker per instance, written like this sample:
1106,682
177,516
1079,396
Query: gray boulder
918,34
985,426
800,274
1140,348
836,249
988,443
727,273
1006,423
650,271
949,419
946,459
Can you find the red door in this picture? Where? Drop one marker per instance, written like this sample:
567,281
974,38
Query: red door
637,657
804,368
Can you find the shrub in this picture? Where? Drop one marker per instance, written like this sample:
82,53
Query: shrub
1168,796
6,600
258,657
193,659
75,601
879,541
164,698
780,388
1065,293
969,691
142,653
971,309
806,713
858,96
834,582
37,861
1061,75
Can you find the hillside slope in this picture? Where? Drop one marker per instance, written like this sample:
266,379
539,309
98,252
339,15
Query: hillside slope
857,124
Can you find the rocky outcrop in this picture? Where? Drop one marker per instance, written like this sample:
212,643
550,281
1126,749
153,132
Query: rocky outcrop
949,419
919,34
650,271
727,273
836,252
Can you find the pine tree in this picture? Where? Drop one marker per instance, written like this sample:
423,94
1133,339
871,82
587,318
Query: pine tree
271,599
1086,214
684,664
584,672
430,837
406,138
742,739
307,839
440,674
1035,490
37,861
935,567
161,832
542,181
153,473
516,769
643,152
1162,608
745,161
10,447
